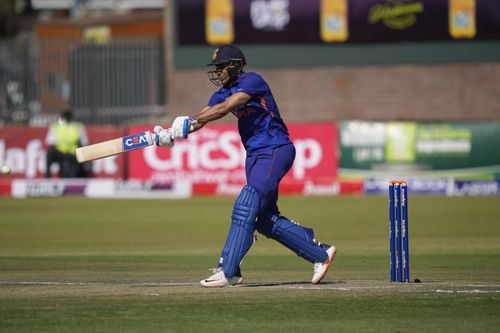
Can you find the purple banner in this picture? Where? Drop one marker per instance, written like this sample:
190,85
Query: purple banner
335,21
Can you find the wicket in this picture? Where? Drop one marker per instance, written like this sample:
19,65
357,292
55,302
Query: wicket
398,231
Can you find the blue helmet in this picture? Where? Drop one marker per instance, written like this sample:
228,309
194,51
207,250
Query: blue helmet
227,57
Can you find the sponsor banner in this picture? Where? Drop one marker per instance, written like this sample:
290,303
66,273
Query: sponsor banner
351,186
138,189
98,188
335,21
438,186
213,158
406,149
475,188
5,187
29,188
305,188
23,149
431,186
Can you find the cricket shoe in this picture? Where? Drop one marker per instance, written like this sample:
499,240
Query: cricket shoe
218,279
320,268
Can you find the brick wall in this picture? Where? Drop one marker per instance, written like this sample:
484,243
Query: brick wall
396,92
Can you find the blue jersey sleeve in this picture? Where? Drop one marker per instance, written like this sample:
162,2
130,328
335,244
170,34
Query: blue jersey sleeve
216,98
252,84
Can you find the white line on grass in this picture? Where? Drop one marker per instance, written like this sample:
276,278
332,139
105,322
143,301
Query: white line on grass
446,288
474,291
49,283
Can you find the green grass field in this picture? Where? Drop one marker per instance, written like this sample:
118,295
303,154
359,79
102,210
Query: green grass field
80,265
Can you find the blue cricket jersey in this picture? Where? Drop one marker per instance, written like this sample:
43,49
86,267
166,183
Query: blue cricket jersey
259,121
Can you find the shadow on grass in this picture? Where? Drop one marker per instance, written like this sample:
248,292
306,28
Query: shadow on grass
291,283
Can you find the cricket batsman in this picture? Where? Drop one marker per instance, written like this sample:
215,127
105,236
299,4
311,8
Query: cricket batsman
269,156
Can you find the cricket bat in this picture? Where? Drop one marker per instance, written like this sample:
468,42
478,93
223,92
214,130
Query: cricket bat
115,146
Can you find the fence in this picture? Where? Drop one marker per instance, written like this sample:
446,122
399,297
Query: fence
121,81
18,76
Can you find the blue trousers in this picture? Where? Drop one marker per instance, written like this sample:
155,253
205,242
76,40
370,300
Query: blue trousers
264,172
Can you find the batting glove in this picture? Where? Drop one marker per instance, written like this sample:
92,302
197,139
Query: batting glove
182,126
164,137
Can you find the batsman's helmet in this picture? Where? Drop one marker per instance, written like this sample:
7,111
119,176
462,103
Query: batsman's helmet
227,57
